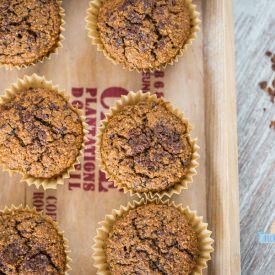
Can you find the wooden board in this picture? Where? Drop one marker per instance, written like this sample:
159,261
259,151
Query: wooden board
256,139
201,85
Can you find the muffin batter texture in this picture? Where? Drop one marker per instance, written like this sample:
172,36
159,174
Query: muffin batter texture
41,134
145,147
152,239
29,244
144,34
29,30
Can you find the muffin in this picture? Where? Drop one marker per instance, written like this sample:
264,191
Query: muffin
145,35
30,244
41,133
29,30
145,147
152,237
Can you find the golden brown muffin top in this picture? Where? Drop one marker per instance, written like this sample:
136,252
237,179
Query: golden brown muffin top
30,245
144,34
145,147
40,133
29,30
152,239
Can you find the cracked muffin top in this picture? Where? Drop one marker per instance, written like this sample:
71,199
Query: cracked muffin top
41,134
144,34
145,147
152,239
29,30
30,244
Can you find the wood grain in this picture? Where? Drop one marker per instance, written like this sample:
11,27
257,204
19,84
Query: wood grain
199,90
221,140
255,34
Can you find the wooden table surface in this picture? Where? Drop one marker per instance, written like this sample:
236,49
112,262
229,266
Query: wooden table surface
255,34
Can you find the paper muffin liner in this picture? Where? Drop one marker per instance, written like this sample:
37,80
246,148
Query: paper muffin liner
52,51
132,99
93,33
196,222
28,209
35,81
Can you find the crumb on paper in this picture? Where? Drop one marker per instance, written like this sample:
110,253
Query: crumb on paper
268,86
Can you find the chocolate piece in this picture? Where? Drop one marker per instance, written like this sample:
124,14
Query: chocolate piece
263,85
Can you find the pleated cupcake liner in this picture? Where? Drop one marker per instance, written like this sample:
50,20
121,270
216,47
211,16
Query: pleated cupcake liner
35,81
132,99
93,33
13,209
195,221
53,51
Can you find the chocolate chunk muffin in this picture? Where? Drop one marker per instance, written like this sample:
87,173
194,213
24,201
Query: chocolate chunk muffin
152,239
144,34
145,147
29,30
30,244
41,134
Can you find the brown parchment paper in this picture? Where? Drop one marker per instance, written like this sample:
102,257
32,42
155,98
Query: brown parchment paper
94,84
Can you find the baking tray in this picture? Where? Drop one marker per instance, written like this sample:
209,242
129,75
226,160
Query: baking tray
201,84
